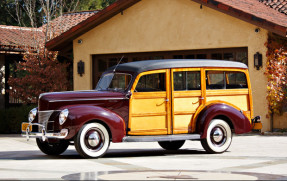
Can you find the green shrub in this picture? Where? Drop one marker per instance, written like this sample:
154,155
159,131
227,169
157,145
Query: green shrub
11,118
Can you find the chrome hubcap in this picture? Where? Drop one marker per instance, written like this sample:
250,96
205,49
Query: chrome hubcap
217,135
94,139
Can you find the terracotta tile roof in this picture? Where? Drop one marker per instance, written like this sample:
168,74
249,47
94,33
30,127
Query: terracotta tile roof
279,5
251,11
66,21
14,37
257,10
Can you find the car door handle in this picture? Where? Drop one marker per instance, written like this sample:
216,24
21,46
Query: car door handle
200,98
166,100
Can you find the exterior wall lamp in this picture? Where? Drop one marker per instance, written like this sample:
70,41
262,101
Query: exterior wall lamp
81,68
257,60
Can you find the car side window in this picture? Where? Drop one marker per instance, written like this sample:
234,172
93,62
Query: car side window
225,80
215,80
120,81
152,83
236,80
186,80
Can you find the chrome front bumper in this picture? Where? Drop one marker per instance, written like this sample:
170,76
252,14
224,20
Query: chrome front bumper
43,134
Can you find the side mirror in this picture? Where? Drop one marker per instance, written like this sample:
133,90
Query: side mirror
129,94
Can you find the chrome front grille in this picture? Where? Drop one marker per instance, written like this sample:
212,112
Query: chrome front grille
43,116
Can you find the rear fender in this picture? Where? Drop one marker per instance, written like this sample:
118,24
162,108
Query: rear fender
239,122
82,114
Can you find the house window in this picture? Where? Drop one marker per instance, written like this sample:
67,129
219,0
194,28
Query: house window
112,62
216,56
201,56
241,56
102,65
190,57
228,56
178,57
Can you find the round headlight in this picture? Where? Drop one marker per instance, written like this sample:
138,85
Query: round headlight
32,115
63,116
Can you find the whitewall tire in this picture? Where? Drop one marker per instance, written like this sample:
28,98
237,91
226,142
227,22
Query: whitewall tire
92,141
171,145
219,137
52,148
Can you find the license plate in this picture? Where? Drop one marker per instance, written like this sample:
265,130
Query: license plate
24,127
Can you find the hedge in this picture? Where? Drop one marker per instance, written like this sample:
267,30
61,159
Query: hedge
11,118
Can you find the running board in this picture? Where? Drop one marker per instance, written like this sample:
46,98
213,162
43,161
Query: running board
177,137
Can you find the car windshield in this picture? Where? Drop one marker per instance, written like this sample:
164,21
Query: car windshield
114,82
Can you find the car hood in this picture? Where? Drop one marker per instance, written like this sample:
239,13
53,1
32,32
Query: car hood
56,99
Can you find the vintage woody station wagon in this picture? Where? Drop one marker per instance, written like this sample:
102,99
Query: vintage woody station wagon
165,101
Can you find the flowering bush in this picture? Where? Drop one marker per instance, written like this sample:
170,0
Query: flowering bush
39,72
276,72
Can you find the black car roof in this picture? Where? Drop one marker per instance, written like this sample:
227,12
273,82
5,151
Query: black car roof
147,65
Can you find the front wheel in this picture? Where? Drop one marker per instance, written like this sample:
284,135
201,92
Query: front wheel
92,141
219,137
171,145
52,148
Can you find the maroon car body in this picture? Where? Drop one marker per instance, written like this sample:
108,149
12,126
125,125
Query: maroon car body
110,108
91,119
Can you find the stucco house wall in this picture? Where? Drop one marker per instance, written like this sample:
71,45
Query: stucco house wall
280,121
151,25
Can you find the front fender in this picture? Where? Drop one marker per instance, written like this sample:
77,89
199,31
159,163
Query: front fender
239,121
80,115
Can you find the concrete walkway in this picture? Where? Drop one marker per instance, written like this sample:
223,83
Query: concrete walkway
250,157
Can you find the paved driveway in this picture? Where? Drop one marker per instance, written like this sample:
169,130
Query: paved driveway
250,157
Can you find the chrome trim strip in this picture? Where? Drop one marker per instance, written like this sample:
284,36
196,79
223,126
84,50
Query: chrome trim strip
156,138
49,110
99,99
44,116
66,92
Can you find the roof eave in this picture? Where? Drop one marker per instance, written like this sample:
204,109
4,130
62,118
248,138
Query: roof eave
11,48
257,21
93,21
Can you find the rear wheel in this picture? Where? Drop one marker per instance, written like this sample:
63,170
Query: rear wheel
92,141
52,148
171,145
219,137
